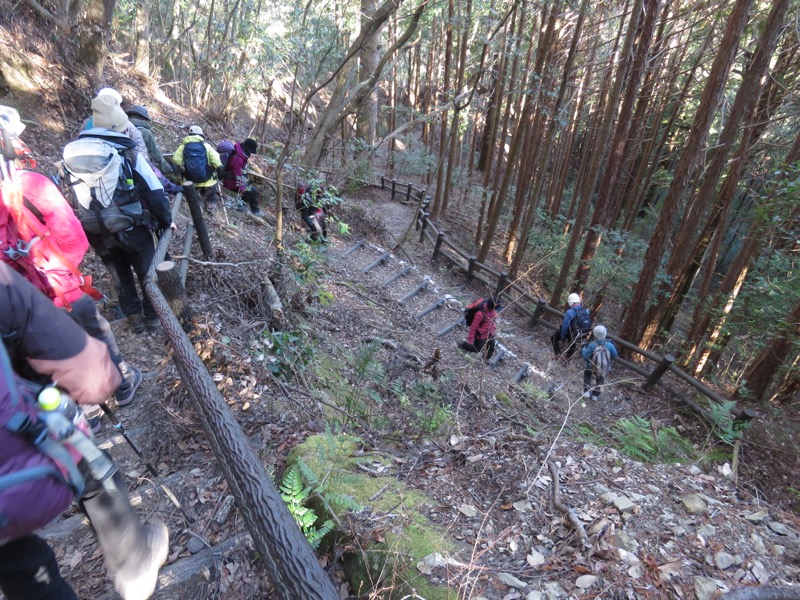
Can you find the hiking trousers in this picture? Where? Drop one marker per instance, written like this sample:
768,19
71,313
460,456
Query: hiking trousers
84,312
573,345
131,256
588,371
29,571
478,346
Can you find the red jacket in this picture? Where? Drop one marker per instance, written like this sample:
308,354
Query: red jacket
62,242
482,327
236,166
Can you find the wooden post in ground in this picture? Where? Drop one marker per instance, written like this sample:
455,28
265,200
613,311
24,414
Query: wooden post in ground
425,217
183,267
408,194
502,284
377,262
438,246
656,374
383,183
473,261
169,280
193,199
394,187
538,311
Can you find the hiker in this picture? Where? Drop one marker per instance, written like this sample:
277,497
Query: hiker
118,199
597,355
139,117
482,327
42,239
199,163
46,461
235,177
112,98
313,200
575,328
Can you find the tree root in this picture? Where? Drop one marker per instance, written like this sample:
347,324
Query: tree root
568,512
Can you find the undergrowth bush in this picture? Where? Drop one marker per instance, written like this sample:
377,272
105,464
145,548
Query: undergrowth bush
641,441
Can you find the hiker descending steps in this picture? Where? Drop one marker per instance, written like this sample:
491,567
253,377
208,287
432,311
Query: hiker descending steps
576,327
597,356
234,159
200,163
480,317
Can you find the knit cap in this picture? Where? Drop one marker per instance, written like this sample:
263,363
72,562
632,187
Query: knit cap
600,333
107,113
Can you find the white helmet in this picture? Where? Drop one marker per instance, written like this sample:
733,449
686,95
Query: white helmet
573,299
196,130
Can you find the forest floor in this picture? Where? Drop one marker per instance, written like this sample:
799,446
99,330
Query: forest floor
485,451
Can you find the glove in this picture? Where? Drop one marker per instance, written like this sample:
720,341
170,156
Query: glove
58,424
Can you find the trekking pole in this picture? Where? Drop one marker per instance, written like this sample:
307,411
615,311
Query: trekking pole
115,422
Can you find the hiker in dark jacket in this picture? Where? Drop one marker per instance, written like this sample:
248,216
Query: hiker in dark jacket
207,190
569,331
482,330
140,118
42,344
131,251
235,178
587,352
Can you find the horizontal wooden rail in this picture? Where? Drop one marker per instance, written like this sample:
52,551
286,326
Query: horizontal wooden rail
473,268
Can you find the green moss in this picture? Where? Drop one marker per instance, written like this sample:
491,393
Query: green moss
409,535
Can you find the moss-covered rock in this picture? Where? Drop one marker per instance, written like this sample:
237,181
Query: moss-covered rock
405,537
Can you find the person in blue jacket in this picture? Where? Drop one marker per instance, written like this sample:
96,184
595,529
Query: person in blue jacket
575,328
597,364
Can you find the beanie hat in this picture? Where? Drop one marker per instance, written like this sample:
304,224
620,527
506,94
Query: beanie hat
599,333
196,130
107,113
107,91
250,146
139,111
573,299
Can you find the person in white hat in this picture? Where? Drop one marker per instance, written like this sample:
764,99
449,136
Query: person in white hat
597,356
107,108
575,328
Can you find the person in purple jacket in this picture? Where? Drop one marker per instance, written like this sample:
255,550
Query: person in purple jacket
40,475
235,177
482,330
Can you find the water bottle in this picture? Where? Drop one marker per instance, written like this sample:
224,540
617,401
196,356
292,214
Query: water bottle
51,398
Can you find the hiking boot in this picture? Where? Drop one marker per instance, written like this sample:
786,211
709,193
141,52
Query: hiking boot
586,395
136,323
137,578
153,324
125,393
259,213
596,397
116,312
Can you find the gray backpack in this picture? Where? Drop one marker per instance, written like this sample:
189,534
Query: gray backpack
601,359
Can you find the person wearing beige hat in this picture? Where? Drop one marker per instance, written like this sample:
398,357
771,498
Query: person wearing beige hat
108,114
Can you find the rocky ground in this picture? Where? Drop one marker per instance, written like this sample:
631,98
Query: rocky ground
485,451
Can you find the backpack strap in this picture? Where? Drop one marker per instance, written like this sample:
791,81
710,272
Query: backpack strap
37,433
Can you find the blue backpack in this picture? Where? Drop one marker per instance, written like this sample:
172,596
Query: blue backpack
195,162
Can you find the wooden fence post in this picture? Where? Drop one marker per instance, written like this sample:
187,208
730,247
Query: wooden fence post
473,261
425,216
394,186
502,283
660,369
193,200
169,280
427,203
537,312
408,194
438,246
383,183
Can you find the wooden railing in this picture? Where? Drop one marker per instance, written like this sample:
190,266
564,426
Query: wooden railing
535,308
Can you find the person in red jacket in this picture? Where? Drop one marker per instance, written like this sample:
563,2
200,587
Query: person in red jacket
235,177
49,244
482,330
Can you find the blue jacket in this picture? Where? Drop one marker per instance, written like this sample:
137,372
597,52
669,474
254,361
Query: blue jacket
588,350
568,316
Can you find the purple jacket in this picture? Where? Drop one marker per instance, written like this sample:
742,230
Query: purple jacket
236,166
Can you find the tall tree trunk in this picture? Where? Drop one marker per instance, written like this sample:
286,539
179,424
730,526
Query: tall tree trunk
762,370
685,170
93,36
680,269
605,199
438,200
367,119
142,24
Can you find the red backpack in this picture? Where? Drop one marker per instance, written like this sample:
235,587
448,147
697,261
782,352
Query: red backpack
42,239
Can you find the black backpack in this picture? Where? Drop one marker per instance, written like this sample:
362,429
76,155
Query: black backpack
195,162
581,324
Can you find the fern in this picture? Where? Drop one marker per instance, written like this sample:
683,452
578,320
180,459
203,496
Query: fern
725,426
638,441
